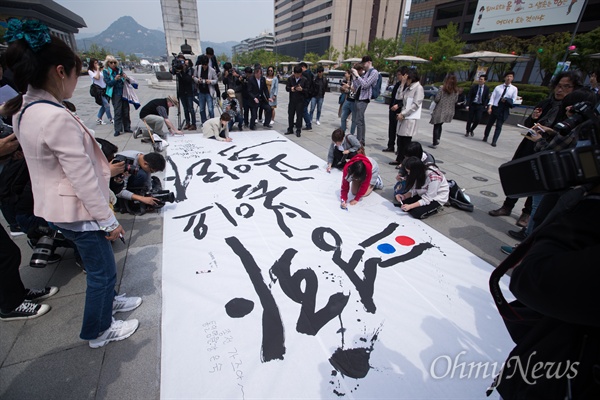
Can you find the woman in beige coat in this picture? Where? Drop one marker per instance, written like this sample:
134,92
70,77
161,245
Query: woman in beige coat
412,94
445,106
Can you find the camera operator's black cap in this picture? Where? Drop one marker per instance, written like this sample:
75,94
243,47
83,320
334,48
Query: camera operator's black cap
248,69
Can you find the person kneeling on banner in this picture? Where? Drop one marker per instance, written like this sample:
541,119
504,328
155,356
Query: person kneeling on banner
218,128
156,114
134,186
428,191
342,148
361,177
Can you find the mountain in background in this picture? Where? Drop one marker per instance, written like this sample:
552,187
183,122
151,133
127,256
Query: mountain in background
126,35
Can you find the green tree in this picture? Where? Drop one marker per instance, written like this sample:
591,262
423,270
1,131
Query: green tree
133,58
223,58
587,43
549,50
331,54
122,56
354,51
380,49
441,51
311,57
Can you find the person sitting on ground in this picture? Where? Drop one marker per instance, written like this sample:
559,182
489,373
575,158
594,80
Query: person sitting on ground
414,149
361,177
141,181
217,128
342,148
233,107
428,191
156,115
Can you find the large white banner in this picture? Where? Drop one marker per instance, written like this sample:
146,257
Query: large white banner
495,15
271,291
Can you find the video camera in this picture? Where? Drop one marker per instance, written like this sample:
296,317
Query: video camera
177,64
130,168
557,170
163,196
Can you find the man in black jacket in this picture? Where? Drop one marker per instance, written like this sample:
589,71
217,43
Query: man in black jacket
307,73
259,97
295,86
478,97
156,114
395,108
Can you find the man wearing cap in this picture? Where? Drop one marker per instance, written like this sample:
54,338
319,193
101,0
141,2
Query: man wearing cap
156,115
259,97
232,107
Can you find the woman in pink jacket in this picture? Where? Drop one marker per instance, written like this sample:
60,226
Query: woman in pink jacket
69,173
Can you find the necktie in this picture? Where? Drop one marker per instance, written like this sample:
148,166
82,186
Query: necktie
504,92
478,99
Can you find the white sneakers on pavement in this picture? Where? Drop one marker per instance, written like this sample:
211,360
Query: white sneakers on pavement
118,330
124,304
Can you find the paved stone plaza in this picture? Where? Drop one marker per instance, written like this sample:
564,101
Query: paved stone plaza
44,358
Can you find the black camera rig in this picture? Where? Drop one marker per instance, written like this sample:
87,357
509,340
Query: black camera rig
557,170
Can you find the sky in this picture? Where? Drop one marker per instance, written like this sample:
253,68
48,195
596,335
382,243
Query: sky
219,20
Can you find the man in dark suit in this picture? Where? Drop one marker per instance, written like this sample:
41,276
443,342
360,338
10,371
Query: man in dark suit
259,97
295,86
478,97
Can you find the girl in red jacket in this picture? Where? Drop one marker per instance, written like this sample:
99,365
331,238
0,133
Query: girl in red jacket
361,177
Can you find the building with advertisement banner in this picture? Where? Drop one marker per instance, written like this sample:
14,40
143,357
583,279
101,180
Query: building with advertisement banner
482,20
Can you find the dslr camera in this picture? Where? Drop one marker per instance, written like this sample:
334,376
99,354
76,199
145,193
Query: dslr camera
558,170
130,168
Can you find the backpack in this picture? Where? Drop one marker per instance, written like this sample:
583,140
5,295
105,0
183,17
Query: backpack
457,198
376,88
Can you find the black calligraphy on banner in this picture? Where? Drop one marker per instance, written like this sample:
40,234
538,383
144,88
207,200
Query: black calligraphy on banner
246,210
245,159
302,288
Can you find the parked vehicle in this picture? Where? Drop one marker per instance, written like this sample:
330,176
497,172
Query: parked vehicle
430,91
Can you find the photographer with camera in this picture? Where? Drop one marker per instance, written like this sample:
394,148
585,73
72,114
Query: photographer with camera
547,113
185,89
16,301
554,320
136,181
206,79
232,107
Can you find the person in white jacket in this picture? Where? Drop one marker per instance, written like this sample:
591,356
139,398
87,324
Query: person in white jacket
428,192
217,128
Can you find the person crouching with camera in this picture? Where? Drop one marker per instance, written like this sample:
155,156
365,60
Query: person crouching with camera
232,106
136,180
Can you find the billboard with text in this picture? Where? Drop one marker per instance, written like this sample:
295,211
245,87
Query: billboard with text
497,15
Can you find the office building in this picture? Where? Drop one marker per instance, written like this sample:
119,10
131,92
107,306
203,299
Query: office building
264,41
314,25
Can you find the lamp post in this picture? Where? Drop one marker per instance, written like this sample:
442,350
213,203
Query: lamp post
352,30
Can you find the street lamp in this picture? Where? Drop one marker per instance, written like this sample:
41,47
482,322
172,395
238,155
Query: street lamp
352,30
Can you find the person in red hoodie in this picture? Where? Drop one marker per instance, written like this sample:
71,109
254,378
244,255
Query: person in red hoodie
361,177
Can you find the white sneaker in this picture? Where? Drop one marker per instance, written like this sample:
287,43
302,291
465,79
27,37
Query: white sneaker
100,122
318,123
124,304
272,123
118,330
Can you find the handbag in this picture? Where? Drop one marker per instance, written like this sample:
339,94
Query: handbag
97,92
